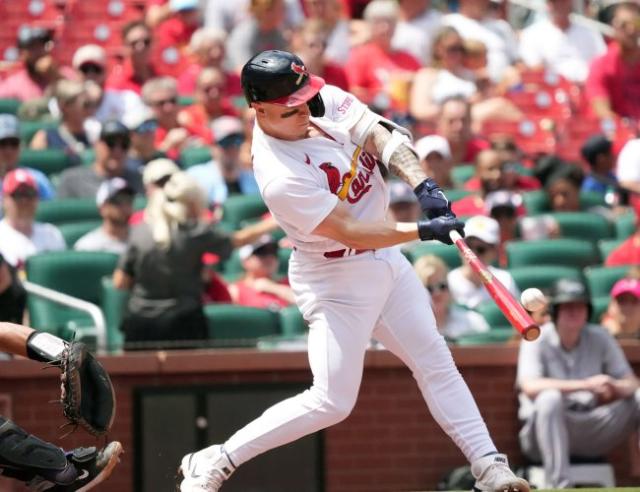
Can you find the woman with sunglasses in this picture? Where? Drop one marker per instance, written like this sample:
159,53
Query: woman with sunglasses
452,321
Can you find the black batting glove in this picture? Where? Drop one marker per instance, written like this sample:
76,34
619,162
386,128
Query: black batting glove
432,200
439,229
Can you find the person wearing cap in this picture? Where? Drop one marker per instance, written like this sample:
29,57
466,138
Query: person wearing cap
489,176
142,127
435,158
578,394
115,203
622,317
597,151
155,175
223,175
403,206
483,238
110,161
21,236
258,286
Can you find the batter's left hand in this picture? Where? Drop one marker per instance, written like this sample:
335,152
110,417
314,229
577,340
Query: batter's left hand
432,200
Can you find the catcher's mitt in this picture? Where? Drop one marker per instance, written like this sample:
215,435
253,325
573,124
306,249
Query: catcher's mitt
87,397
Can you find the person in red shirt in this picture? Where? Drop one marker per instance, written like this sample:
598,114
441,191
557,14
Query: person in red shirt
379,75
211,103
309,43
258,288
137,67
613,84
454,124
628,253
174,34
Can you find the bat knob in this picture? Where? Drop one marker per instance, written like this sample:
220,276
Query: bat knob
532,333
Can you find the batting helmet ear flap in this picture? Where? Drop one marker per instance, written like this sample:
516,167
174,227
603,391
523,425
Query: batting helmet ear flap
316,106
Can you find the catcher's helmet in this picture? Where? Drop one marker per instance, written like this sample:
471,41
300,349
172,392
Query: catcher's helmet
280,77
567,290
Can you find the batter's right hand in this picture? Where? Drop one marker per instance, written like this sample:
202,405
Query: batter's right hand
439,228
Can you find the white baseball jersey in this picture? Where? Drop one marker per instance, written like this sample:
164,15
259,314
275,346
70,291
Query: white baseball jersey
301,181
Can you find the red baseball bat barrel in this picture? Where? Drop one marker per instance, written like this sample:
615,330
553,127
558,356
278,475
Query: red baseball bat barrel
515,313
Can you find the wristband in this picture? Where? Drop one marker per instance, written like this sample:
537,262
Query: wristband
44,347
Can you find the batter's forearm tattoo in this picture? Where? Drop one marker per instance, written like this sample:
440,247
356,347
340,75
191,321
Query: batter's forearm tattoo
404,162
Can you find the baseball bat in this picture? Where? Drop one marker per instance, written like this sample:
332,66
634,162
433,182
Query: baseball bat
515,313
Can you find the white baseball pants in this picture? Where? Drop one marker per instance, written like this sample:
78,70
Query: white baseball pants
347,301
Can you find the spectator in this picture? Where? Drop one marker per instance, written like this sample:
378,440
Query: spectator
454,124
622,318
13,297
161,95
417,21
329,13
403,206
559,45
208,49
227,15
472,22
163,266
309,42
482,234
138,67
142,127
628,253
578,394
10,155
378,74
628,166
115,203
502,206
435,157
598,153
21,235
224,175
70,135
262,31
563,188
110,161
211,102
155,175
174,34
489,176
258,287
39,69
453,321
612,87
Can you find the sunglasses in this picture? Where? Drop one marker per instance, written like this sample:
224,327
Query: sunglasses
14,143
148,126
113,142
87,68
439,287
162,102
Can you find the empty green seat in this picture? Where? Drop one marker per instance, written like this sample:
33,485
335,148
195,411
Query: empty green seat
49,161
291,321
113,303
67,210
448,254
496,335
601,279
238,208
625,225
562,252
455,195
9,105
583,225
240,326
599,305
195,155
185,100
542,276
76,273
72,231
463,173
29,128
606,246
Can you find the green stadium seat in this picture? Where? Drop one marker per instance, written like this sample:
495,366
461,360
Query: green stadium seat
599,305
291,321
448,254
64,210
537,202
562,252
462,173
88,156
240,326
583,225
29,128
49,161
194,155
113,303
72,231
498,335
185,100
492,314
455,194
542,276
606,246
76,273
601,279
139,202
9,106
624,225
238,208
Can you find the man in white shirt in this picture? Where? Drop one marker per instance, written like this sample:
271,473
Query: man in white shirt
21,235
483,237
559,45
628,166
417,23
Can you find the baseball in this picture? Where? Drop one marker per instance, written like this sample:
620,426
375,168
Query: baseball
533,299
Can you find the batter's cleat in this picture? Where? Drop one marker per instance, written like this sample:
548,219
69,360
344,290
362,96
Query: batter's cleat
492,474
204,470
93,467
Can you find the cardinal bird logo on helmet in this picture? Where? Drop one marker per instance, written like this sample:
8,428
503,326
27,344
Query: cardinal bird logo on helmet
301,70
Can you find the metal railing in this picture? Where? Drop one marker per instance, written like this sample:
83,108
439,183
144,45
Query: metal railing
99,323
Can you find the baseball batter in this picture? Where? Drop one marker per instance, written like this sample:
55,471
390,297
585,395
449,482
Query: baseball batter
316,153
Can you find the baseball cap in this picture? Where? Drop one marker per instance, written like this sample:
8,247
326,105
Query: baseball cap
502,199
484,228
179,5
433,143
113,128
17,178
89,53
158,169
401,192
110,188
265,243
227,130
134,119
593,146
9,126
626,286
